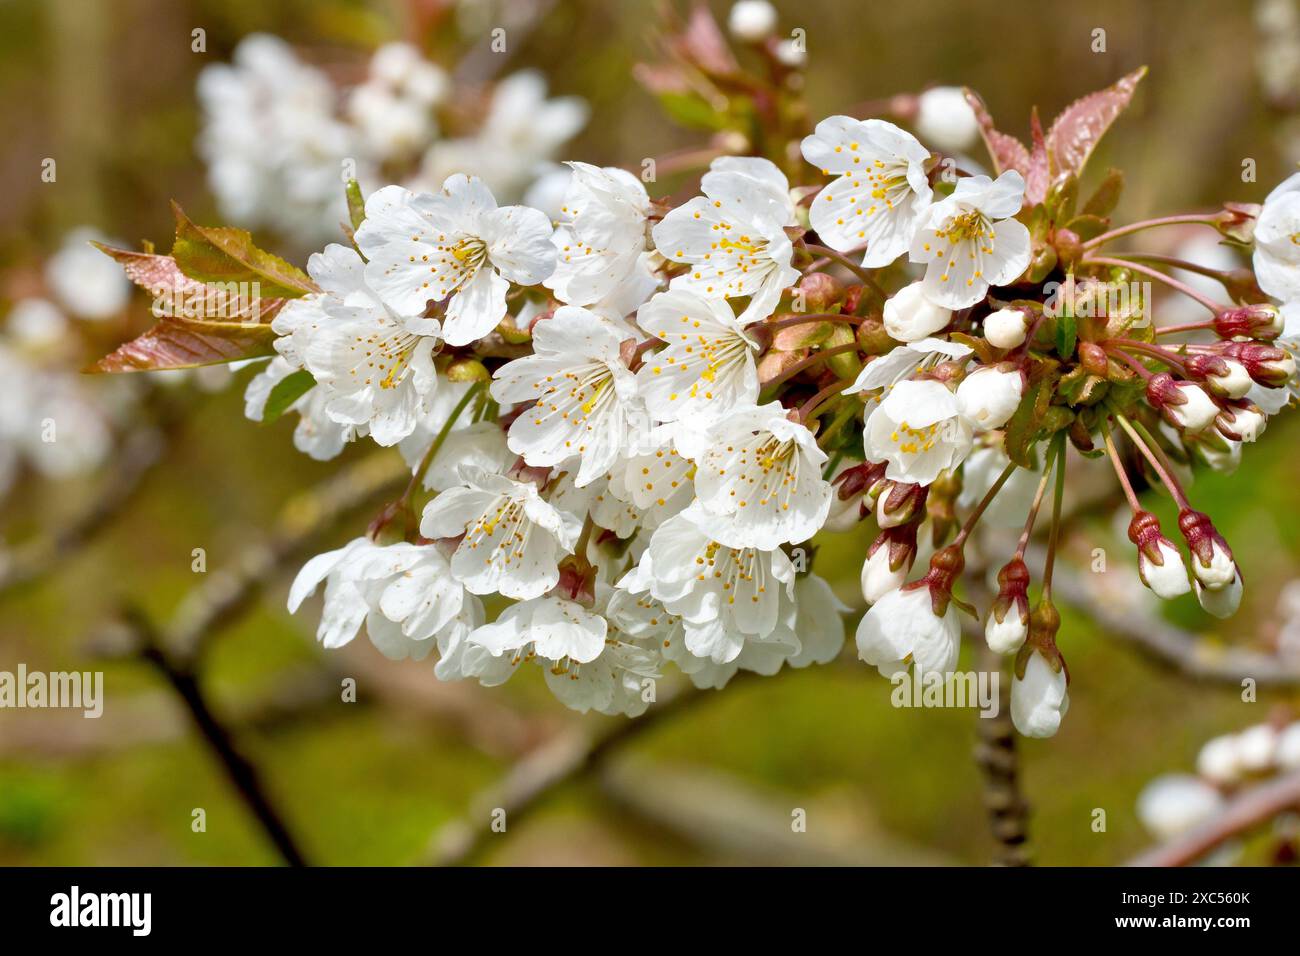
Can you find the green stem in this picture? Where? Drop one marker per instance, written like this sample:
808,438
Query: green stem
422,469
1055,534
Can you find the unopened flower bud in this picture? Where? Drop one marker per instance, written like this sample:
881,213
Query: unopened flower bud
898,503
1040,694
1241,424
1262,321
821,292
1217,761
1006,328
988,396
791,54
910,316
1212,561
751,20
1222,603
888,561
1183,404
1266,365
945,120
1257,748
1008,621
1224,377
1160,564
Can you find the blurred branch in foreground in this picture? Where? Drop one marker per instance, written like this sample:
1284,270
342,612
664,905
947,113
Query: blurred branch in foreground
1246,811
571,756
32,559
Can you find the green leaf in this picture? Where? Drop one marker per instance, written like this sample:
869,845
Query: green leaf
286,391
1027,420
356,204
225,254
1067,333
692,111
1103,202
1088,227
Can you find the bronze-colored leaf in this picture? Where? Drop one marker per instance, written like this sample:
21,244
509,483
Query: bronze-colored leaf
1080,126
227,254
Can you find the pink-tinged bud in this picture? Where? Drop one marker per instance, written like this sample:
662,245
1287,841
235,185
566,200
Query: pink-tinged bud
859,479
1094,359
1249,321
1267,365
1246,423
1224,377
821,293
1182,404
1212,561
1160,565
889,560
899,503
1008,621
577,580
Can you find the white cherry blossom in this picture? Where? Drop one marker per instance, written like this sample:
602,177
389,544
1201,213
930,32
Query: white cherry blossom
601,236
457,246
512,538
1040,699
584,394
759,481
903,627
881,192
919,430
707,370
969,241
1277,241
733,237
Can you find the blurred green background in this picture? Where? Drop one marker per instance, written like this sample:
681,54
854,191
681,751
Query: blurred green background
108,89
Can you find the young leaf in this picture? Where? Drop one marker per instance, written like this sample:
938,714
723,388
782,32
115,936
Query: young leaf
285,392
1006,151
1103,202
227,254
1038,175
356,204
174,343
200,323
1079,127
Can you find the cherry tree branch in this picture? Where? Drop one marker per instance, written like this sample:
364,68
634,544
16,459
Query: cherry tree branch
1247,811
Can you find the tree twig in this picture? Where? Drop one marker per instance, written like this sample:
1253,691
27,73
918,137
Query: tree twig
569,757
242,774
1246,811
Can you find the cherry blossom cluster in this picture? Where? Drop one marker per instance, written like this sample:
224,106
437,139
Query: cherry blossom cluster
278,134
628,418
1175,803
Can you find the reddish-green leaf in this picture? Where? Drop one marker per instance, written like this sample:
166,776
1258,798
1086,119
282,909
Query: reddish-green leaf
227,254
199,323
1081,125
1006,151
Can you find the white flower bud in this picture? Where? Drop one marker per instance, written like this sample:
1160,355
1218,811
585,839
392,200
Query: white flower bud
1248,423
988,396
1234,383
791,54
1223,602
1221,570
945,120
1006,636
752,20
1198,412
1175,803
1168,580
910,316
1288,747
1217,760
1257,748
1006,328
877,578
1040,700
